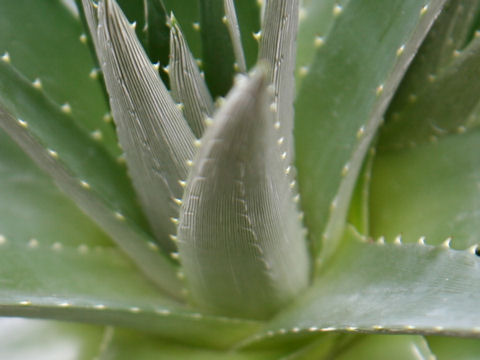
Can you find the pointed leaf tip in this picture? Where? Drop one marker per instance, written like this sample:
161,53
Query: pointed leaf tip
151,129
188,85
234,30
239,231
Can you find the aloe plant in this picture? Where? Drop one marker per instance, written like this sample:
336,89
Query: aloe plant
239,180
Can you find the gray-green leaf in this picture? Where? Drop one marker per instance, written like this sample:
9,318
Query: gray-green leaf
132,239
278,50
156,138
388,288
240,237
188,85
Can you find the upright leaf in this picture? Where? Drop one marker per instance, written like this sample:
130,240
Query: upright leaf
426,154
342,101
316,20
150,18
188,85
234,30
447,38
278,49
156,138
359,212
156,31
188,14
240,238
433,100
135,13
248,13
217,51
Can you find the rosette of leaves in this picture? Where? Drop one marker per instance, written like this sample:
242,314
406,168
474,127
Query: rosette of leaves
239,180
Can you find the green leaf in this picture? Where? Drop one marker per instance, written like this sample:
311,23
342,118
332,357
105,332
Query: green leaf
231,22
90,12
81,167
359,212
84,156
456,27
66,282
277,49
454,348
316,19
135,12
387,288
156,138
32,207
126,234
450,33
99,285
248,14
240,238
156,31
188,85
187,13
217,50
141,13
430,190
440,108
47,59
151,19
342,101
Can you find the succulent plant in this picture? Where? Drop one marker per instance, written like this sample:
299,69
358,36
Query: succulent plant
152,159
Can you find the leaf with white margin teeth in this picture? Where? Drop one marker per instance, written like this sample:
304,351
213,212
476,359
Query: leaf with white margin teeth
241,242
386,289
